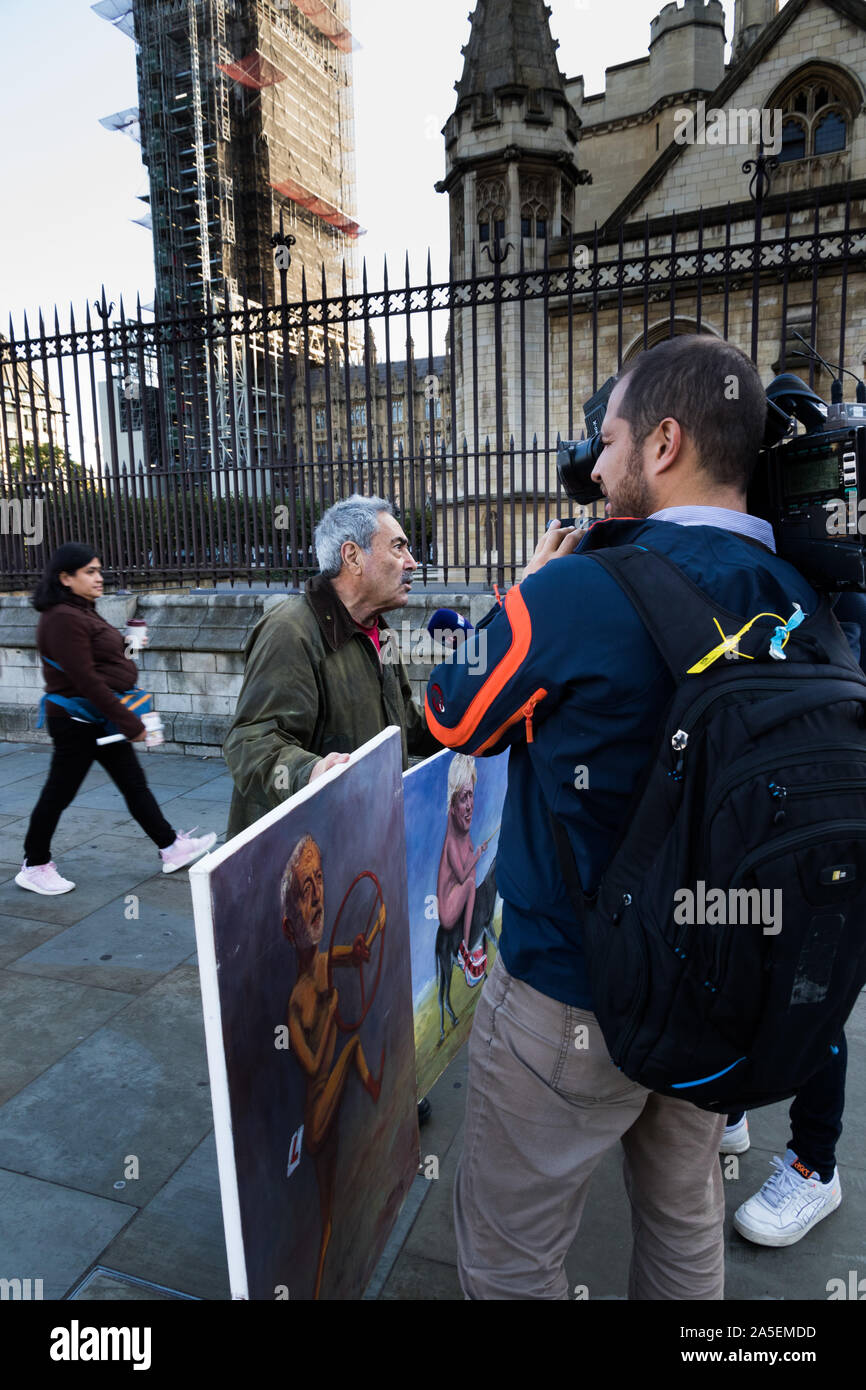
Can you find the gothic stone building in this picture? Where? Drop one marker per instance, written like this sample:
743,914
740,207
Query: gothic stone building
536,167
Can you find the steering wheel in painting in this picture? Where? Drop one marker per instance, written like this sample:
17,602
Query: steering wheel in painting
366,998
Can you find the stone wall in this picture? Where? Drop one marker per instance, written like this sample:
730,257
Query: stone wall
817,33
194,661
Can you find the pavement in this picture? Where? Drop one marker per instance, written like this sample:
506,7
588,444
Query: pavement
108,1174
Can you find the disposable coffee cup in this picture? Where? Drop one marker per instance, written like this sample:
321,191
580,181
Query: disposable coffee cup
154,726
136,634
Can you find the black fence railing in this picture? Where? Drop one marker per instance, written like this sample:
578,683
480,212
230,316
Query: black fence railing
204,449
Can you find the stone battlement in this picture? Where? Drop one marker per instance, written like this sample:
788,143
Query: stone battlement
674,16
686,54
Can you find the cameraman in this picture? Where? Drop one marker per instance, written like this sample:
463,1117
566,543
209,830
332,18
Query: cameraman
578,690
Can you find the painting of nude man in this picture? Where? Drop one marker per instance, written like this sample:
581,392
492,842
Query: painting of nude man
302,924
453,806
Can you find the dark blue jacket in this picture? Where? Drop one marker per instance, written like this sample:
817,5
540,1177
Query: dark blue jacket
573,683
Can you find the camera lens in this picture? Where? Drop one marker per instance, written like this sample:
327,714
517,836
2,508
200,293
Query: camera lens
575,461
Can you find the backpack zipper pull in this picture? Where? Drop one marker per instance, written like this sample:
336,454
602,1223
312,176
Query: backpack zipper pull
778,793
527,712
679,742
625,901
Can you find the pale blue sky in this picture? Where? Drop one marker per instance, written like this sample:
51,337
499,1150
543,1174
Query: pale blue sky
70,187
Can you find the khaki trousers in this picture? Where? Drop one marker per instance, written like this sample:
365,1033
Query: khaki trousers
541,1110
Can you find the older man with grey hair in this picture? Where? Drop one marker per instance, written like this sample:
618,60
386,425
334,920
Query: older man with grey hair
322,675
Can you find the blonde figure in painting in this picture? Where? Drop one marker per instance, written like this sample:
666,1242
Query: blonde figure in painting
313,1022
456,887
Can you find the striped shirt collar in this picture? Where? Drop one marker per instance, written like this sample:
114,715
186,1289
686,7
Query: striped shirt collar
722,517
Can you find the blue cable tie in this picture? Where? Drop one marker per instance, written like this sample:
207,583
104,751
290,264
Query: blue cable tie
782,632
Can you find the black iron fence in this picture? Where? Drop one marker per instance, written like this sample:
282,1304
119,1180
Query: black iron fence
204,449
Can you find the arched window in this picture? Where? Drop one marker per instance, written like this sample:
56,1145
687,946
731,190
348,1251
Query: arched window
659,333
535,204
534,221
492,224
818,105
489,525
794,140
831,133
491,198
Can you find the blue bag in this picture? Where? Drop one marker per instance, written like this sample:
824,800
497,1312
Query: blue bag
137,700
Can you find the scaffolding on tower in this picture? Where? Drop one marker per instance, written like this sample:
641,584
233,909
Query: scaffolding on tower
217,77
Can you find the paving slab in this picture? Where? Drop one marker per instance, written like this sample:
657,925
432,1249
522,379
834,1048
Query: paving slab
219,789
106,1286
136,1087
21,796
51,1232
171,769
177,1239
40,1020
418,1279
125,945
19,935
831,1249
12,840
99,868
426,1267
74,829
190,811
25,763
108,798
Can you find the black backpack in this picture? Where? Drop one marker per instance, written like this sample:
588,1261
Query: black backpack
726,943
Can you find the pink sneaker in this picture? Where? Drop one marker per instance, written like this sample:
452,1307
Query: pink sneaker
43,878
185,849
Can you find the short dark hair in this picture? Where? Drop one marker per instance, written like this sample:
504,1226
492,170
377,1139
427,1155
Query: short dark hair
712,390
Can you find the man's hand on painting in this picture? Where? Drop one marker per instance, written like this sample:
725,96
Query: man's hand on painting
325,764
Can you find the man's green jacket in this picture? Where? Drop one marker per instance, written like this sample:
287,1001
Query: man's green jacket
313,684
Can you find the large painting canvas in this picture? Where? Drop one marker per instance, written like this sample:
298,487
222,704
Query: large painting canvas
302,931
453,809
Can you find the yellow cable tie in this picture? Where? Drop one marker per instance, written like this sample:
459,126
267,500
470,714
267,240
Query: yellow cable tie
728,644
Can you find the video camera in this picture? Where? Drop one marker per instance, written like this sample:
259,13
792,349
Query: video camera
810,486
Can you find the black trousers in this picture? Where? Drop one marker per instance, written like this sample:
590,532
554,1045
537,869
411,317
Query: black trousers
75,749
816,1114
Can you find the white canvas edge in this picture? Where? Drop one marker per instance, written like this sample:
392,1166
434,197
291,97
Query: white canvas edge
219,1085
199,876
219,856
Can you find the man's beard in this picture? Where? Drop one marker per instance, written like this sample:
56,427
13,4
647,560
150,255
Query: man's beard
631,496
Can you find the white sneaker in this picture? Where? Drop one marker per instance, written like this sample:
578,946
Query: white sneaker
43,878
185,849
735,1139
789,1204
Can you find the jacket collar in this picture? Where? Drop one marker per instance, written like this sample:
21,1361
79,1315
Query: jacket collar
78,602
618,530
335,621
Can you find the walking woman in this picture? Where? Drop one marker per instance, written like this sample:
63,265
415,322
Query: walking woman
86,660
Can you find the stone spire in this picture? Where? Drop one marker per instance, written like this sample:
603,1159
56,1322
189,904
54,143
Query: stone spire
510,47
